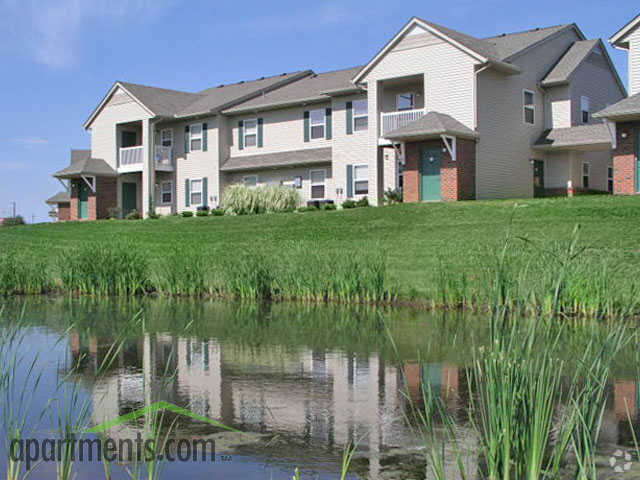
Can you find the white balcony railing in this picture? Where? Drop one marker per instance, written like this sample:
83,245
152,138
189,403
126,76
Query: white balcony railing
131,156
163,156
394,120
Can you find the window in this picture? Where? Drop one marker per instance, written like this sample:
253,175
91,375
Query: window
317,178
610,179
529,98
316,120
360,179
405,101
360,115
584,109
166,137
250,180
196,192
585,175
195,137
251,133
166,192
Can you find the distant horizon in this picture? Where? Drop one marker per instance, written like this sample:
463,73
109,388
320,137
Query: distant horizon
62,57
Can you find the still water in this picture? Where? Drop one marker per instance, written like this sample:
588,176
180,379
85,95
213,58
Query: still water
304,382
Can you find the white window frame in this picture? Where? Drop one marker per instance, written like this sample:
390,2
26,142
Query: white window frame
585,107
169,139
245,134
323,124
588,175
312,184
355,179
192,191
366,115
413,101
526,106
193,137
170,192
244,180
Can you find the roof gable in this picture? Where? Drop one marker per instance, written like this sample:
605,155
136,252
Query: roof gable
619,39
509,45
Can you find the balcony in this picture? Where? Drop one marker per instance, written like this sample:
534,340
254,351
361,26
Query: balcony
394,120
131,159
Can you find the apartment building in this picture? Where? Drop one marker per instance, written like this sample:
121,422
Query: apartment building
438,114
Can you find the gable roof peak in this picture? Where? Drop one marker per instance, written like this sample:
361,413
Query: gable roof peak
619,39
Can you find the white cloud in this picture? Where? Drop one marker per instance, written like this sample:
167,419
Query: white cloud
51,30
29,141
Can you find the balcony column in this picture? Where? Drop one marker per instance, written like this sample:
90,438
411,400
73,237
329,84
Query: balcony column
148,167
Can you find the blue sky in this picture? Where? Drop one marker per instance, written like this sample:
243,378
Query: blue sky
59,57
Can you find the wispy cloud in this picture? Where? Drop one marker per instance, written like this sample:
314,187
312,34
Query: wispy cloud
30,141
51,31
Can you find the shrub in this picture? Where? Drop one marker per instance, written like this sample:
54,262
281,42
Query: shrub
310,208
13,221
217,212
329,206
154,215
202,213
363,202
392,196
287,210
242,200
348,204
113,212
187,213
133,215
202,208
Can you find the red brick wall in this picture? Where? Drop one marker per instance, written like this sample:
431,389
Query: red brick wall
106,191
64,212
624,159
458,178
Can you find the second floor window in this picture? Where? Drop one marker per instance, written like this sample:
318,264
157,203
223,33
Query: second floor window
360,115
584,109
316,122
195,137
251,133
405,101
529,106
166,137
196,192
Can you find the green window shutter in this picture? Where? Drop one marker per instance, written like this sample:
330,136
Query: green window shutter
186,139
187,196
240,135
328,124
204,137
349,181
306,126
260,133
205,194
349,118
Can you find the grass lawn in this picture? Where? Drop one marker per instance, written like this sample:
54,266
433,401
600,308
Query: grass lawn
417,238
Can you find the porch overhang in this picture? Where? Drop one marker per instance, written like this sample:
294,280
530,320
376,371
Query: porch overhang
88,167
431,126
626,110
590,138
295,158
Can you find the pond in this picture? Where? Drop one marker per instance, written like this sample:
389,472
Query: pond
302,382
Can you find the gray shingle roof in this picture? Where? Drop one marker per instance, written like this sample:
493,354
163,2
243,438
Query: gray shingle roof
509,44
161,101
433,124
484,48
79,155
60,197
628,107
581,135
313,88
569,62
86,166
314,156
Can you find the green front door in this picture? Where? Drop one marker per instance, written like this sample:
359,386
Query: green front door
83,200
128,198
430,184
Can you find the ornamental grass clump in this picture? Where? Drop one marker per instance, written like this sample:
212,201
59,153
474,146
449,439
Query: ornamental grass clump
23,273
242,200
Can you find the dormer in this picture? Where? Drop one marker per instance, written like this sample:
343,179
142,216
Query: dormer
628,38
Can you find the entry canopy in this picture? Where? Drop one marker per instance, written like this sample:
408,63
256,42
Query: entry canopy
82,165
432,125
582,137
627,109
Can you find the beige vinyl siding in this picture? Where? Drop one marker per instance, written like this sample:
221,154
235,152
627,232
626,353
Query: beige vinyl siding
503,166
595,80
558,107
277,176
599,162
347,149
282,130
198,164
634,62
119,109
556,170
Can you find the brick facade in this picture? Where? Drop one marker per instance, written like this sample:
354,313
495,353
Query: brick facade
624,159
64,212
98,202
458,179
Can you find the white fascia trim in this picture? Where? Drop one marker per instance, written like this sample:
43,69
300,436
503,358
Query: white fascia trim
109,94
613,132
620,34
450,144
